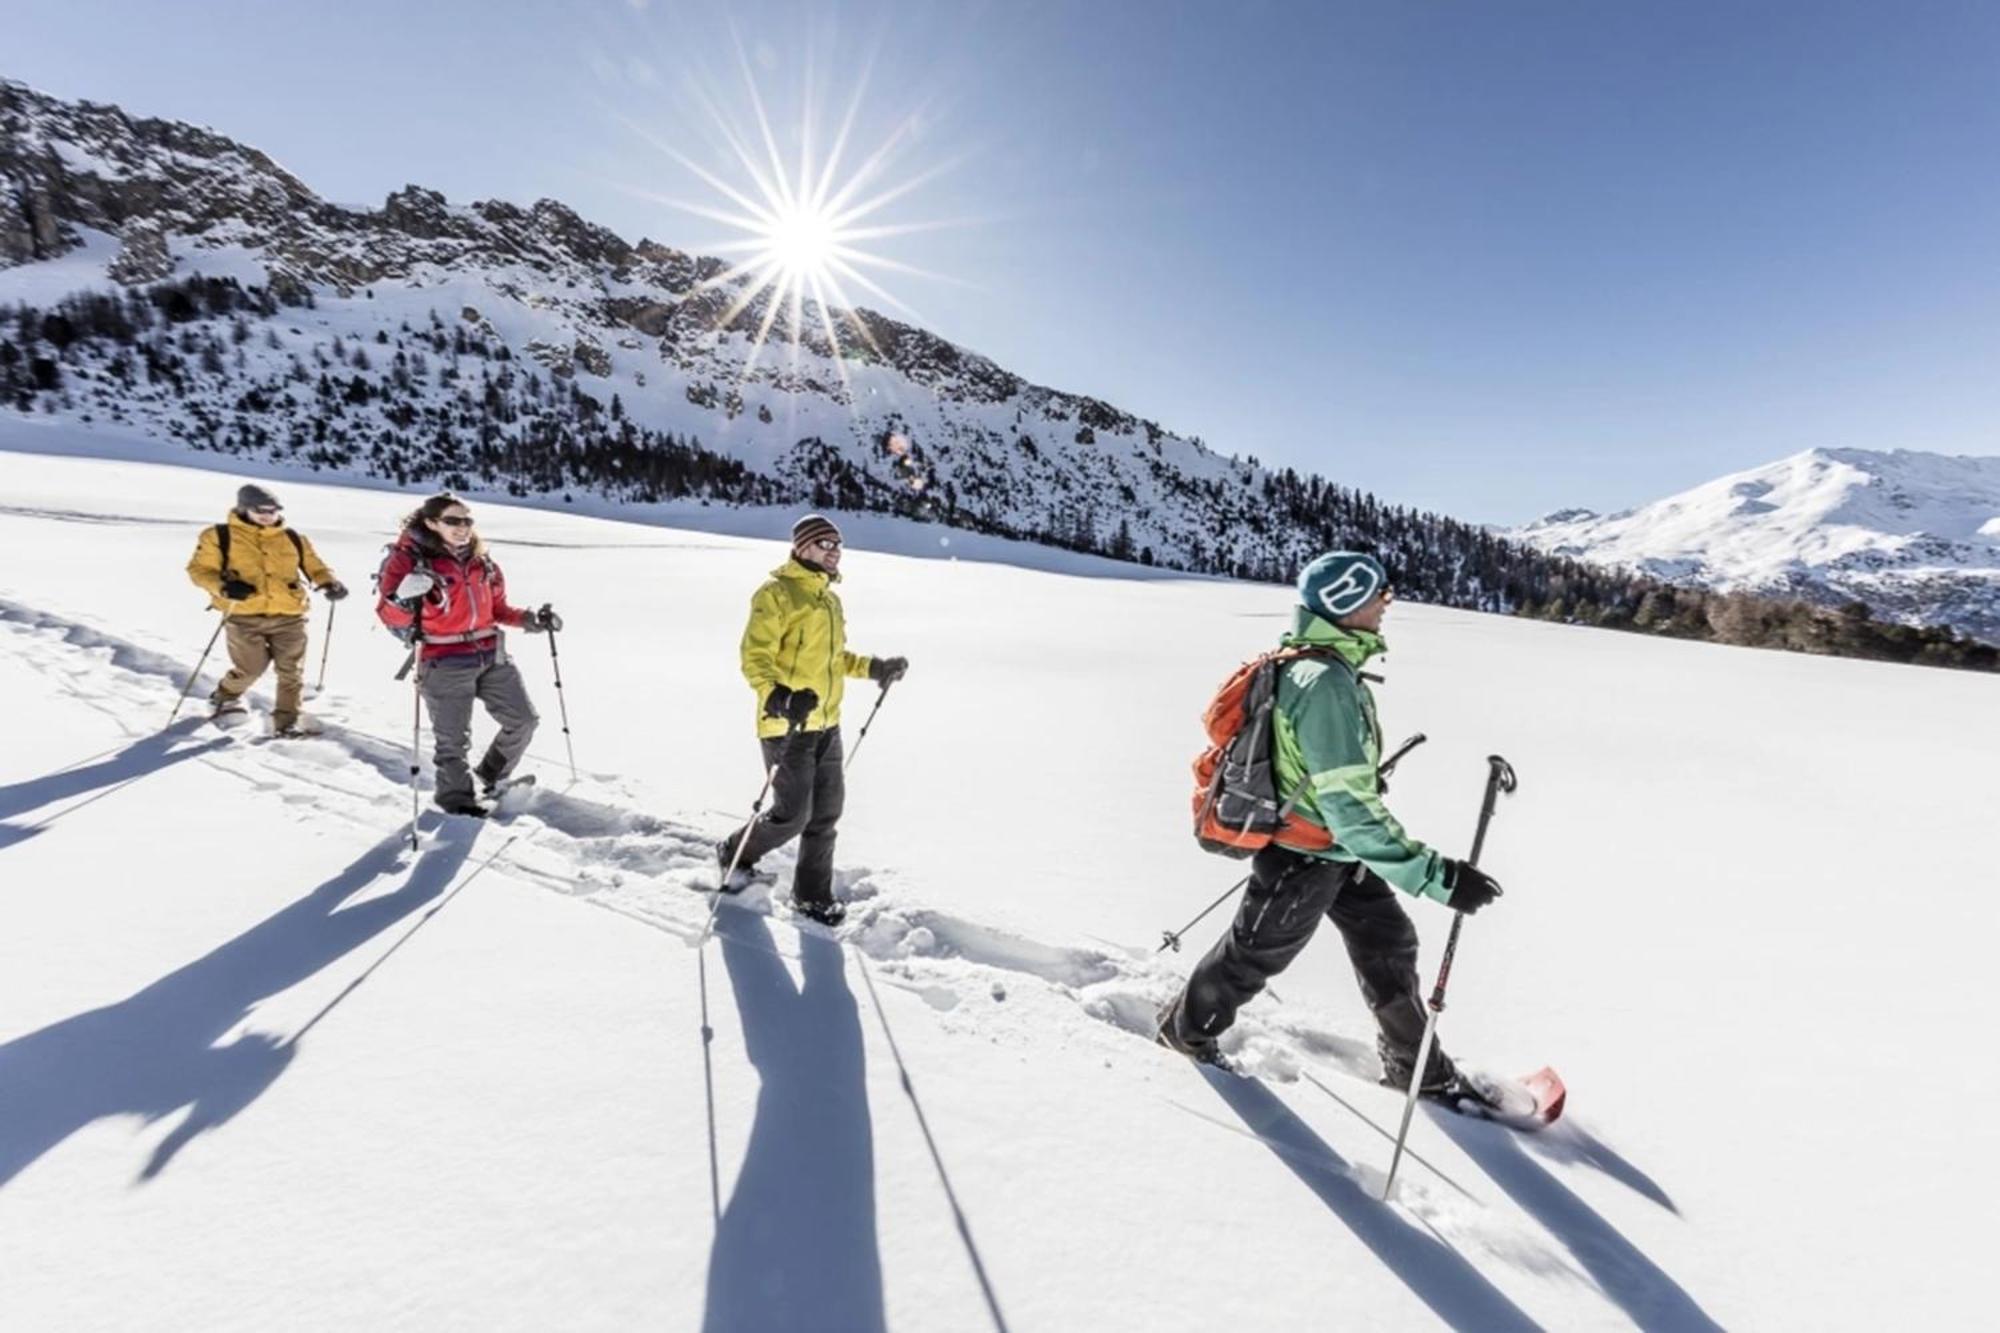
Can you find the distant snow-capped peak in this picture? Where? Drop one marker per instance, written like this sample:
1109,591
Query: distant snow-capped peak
1914,535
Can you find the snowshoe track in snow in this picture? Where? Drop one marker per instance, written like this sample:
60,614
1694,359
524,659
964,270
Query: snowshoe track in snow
591,840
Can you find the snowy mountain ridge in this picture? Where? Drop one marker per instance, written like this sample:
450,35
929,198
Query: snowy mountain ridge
503,342
1915,536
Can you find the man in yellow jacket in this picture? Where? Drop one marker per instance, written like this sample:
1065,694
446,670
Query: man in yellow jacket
255,571
795,658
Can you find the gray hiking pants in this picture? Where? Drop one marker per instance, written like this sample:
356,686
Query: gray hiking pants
807,797
449,685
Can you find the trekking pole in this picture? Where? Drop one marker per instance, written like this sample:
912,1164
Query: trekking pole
195,675
325,648
742,841
1171,939
1388,765
1499,778
555,665
416,749
868,722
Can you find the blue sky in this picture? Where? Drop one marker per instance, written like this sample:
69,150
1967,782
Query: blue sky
1492,259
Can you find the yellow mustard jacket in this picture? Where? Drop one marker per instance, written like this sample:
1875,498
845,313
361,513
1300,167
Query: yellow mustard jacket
263,557
797,637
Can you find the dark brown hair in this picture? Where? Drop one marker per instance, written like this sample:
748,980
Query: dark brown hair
415,527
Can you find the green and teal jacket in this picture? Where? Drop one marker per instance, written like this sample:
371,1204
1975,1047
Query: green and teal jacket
1328,744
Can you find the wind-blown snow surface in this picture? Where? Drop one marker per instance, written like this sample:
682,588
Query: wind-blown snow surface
1914,535
259,1067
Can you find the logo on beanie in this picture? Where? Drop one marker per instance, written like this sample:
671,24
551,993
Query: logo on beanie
1351,591
1340,583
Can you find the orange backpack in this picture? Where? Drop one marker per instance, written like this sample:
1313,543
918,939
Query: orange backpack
1236,806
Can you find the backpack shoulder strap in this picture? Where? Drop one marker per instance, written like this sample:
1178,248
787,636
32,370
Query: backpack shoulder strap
222,544
299,545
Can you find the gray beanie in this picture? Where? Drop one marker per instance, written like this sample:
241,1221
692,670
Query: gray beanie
252,496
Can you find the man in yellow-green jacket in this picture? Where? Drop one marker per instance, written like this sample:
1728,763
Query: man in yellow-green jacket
255,571
795,658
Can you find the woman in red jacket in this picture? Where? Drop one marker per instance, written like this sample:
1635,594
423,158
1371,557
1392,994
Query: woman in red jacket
443,594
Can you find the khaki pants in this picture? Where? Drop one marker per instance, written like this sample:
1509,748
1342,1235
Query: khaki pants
256,642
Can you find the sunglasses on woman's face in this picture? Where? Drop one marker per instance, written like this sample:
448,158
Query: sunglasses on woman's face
268,509
456,520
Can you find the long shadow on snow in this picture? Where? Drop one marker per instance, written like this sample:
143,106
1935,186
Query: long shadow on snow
143,757
1457,1293
1577,1144
155,1051
1650,1298
795,1247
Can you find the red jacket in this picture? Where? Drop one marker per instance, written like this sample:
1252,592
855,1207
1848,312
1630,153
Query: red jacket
463,610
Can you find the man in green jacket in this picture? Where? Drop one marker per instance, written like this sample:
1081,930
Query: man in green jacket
1326,748
795,658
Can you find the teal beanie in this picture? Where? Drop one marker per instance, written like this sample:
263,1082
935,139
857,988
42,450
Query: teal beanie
1340,583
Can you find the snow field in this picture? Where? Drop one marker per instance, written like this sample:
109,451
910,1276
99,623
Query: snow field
505,1121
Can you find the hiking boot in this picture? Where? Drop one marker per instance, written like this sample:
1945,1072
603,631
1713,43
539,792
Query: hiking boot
738,879
1442,1075
461,805
220,704
828,914
1207,1053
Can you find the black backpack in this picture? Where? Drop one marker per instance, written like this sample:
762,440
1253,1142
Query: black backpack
298,544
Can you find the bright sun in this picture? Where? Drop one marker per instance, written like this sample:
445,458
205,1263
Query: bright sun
804,222
802,243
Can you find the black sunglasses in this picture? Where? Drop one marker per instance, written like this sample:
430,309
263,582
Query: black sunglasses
456,520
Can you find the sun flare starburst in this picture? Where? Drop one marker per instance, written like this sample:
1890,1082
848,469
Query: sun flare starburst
802,221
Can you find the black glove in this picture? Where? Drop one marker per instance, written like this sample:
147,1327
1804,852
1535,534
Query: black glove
333,591
799,707
778,701
547,617
887,670
236,590
1470,887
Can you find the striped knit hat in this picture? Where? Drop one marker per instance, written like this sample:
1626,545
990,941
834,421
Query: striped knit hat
808,530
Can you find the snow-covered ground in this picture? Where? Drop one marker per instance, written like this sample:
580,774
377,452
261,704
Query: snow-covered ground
260,1067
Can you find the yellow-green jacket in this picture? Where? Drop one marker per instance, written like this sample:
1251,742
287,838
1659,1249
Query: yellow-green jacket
797,637
264,557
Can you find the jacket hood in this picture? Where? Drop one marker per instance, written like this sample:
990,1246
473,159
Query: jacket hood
796,570
1355,646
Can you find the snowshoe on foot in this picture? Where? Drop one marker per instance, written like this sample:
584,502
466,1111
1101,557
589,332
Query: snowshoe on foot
295,728
1525,1103
462,805
828,914
227,711
493,789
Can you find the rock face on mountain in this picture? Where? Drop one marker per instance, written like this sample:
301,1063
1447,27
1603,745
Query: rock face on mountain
168,278
1914,536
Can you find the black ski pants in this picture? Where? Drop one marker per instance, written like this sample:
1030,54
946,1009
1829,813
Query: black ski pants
1288,895
806,801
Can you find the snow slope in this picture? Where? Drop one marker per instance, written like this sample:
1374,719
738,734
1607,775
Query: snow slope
259,1067
1916,536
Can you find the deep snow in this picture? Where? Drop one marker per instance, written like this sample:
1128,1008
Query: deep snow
259,1067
